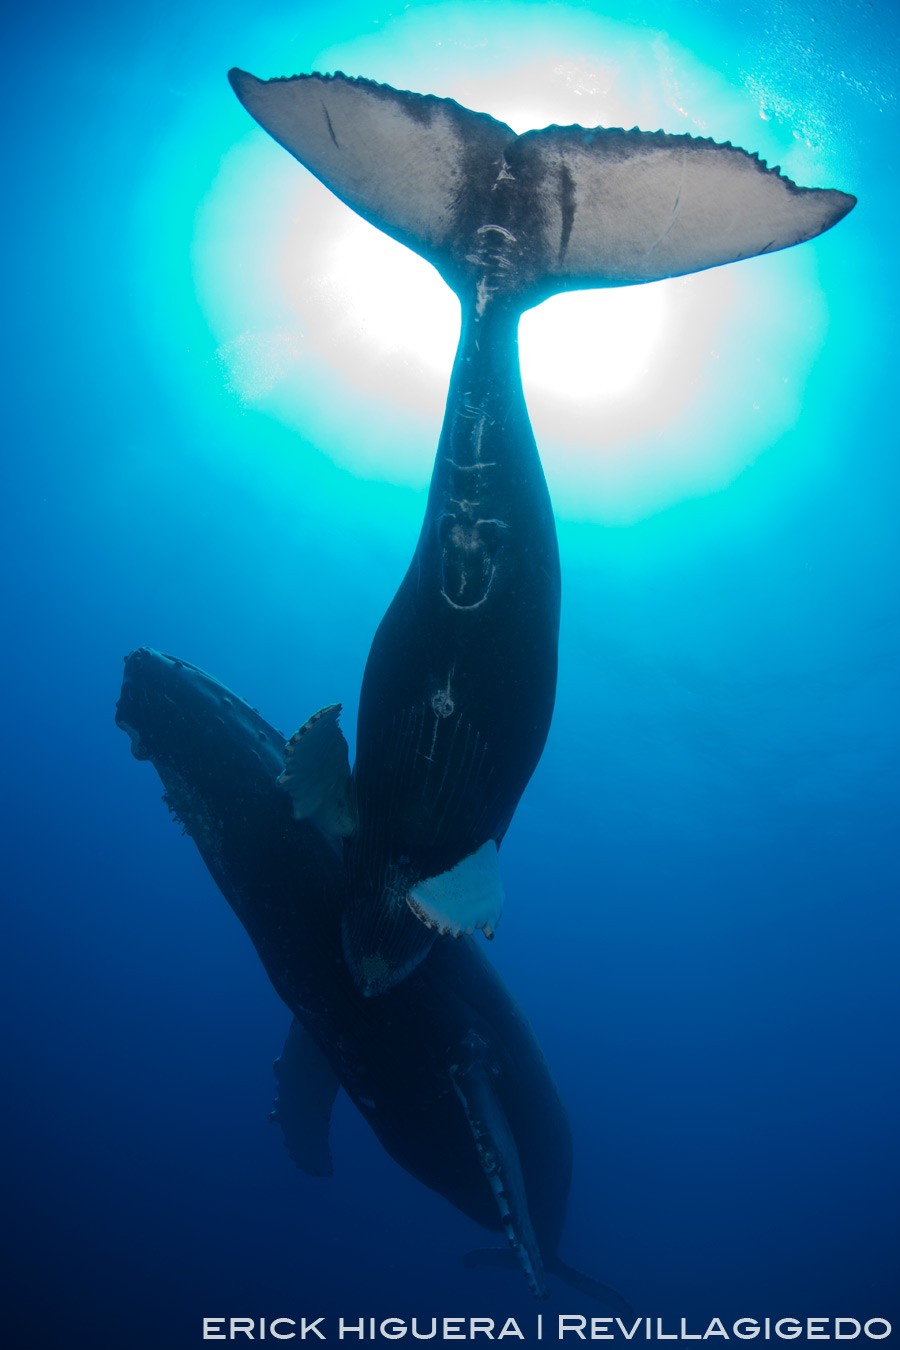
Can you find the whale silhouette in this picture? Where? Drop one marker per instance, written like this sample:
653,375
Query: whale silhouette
444,1069
459,686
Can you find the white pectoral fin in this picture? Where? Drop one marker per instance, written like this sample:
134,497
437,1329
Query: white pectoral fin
467,897
317,774
628,206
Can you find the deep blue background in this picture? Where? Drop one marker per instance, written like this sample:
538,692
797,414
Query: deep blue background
703,875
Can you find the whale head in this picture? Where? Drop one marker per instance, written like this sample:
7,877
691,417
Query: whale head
182,719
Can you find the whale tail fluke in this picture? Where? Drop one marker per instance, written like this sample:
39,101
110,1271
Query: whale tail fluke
524,217
596,1289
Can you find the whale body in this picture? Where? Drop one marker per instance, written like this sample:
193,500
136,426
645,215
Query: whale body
444,1068
459,686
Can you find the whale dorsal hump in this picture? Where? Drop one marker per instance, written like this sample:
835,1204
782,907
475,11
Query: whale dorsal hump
558,209
307,1087
467,897
317,774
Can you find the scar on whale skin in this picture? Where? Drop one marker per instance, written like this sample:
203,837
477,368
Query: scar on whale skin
468,555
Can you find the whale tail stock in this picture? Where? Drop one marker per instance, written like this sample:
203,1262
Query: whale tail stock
586,1284
502,1258
523,217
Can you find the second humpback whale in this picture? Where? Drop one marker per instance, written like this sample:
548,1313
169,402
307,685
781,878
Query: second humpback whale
460,682
444,1069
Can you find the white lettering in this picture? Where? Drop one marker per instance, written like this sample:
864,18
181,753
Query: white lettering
715,1328
583,1328
629,1335
877,1322
566,1324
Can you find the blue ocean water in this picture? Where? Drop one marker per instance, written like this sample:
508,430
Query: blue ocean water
702,876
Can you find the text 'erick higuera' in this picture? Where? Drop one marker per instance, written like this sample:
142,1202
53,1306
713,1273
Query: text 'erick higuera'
567,1326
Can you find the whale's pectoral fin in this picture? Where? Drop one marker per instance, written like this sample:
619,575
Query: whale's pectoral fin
317,774
467,897
617,207
403,161
498,1156
307,1087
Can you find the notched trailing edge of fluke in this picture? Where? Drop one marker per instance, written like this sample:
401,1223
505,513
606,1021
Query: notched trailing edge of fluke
243,79
668,139
597,201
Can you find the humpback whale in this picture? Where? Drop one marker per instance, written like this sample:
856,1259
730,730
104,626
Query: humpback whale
459,686
444,1068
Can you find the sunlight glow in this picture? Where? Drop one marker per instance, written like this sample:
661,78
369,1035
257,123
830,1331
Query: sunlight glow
639,397
610,343
365,276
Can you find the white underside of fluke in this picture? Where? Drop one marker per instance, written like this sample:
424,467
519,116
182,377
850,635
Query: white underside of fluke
604,206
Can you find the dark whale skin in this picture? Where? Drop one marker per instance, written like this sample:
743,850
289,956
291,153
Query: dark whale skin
459,687
285,880
460,681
